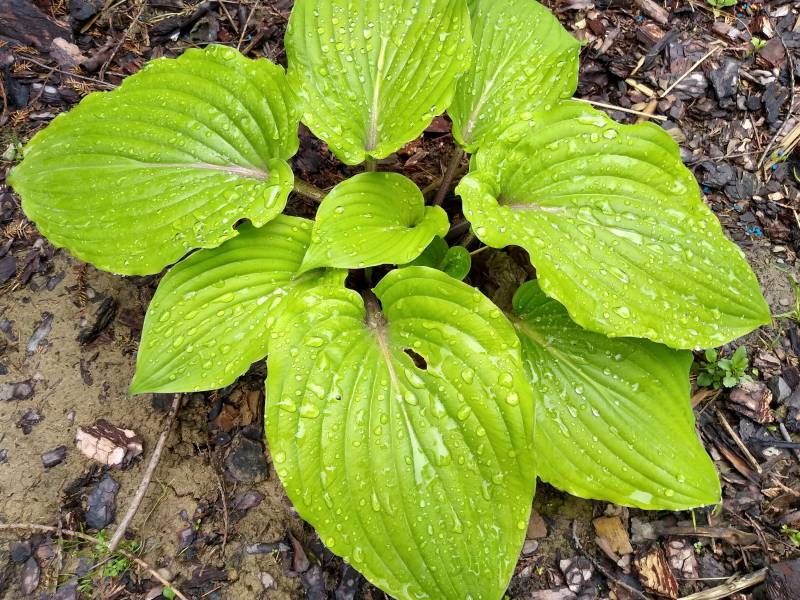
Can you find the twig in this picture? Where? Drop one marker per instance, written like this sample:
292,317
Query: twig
449,174
224,510
731,587
739,442
119,532
691,70
579,547
246,24
75,75
308,190
785,435
629,111
89,538
125,34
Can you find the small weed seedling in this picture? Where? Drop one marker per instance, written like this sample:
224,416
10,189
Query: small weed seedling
105,563
719,372
408,415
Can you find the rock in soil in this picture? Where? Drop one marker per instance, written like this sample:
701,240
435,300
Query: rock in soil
245,461
54,457
102,503
29,579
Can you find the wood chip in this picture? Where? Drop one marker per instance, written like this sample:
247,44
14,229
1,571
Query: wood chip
108,444
612,531
655,573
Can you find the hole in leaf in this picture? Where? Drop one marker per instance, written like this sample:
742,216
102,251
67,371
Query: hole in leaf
419,360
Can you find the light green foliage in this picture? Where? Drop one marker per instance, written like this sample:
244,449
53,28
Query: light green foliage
131,180
371,75
723,3
454,261
615,227
719,372
614,421
373,219
361,434
793,535
524,60
409,424
212,314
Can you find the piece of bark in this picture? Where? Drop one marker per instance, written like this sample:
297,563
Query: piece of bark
752,399
22,21
783,580
537,528
656,12
614,533
108,444
655,573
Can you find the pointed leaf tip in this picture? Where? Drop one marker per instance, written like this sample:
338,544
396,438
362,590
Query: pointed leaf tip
615,411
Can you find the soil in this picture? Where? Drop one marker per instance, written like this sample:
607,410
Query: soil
216,519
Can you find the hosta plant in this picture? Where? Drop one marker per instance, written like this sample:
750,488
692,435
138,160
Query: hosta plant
409,417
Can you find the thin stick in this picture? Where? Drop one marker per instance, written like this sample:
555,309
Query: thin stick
731,587
689,72
785,435
308,190
629,111
126,33
89,538
148,474
246,24
449,174
75,75
739,442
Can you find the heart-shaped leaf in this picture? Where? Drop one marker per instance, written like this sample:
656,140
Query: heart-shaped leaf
455,261
404,434
372,74
614,420
373,219
616,228
212,314
524,60
131,180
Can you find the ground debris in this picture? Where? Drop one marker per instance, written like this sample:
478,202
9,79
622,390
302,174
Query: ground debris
108,444
655,573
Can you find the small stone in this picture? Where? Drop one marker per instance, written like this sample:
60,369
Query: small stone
102,503
529,547
784,301
29,579
725,79
54,457
20,552
267,548
245,461
267,580
349,584
248,500
300,562
537,528
29,420
21,390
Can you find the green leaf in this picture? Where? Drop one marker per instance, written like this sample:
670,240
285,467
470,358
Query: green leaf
405,436
373,219
705,379
212,314
131,180
615,421
729,381
524,60
372,74
711,355
455,261
616,228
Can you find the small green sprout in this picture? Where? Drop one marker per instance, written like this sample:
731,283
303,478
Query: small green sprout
792,534
719,372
